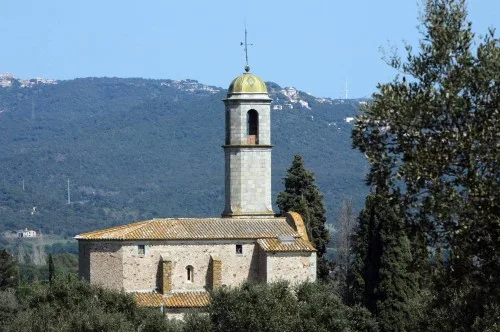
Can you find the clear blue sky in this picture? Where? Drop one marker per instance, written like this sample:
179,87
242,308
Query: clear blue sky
313,45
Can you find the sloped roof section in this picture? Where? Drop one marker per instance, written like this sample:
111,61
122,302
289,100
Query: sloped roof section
195,229
174,300
278,245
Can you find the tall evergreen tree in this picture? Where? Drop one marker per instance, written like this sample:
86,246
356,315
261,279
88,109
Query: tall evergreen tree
9,271
303,196
382,278
432,137
347,224
52,270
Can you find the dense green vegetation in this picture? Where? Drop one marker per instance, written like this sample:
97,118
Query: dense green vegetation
66,264
432,138
278,307
69,304
9,271
135,149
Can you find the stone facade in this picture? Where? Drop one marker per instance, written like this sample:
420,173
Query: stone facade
293,267
163,266
102,263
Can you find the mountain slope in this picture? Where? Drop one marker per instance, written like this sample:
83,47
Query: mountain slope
136,148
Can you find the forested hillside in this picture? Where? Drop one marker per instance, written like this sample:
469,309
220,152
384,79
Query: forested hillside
137,148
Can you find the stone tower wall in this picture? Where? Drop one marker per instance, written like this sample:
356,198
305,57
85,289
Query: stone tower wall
247,165
238,121
248,181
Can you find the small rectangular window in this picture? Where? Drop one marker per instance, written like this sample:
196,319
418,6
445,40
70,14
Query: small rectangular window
141,249
239,249
190,273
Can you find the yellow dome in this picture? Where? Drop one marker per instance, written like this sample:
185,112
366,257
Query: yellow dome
247,83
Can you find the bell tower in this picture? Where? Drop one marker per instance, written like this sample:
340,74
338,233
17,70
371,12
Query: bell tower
247,149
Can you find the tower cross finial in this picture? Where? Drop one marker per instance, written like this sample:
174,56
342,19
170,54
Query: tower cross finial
246,44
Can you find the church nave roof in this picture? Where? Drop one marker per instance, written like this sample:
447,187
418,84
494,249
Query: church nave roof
197,229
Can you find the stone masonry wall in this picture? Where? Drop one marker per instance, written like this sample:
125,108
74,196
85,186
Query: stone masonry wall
238,121
262,265
293,267
118,265
215,271
166,276
101,263
248,180
141,272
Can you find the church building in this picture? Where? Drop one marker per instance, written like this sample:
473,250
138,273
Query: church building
174,263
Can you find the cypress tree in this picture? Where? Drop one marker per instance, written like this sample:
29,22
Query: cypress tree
382,279
51,269
303,196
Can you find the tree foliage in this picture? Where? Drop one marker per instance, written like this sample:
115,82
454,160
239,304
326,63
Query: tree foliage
432,139
52,270
9,271
280,307
70,304
381,277
347,225
303,196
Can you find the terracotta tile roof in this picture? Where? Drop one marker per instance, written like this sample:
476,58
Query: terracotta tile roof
290,245
174,300
195,229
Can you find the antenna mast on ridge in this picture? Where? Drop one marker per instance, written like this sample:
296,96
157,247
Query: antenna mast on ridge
69,196
246,44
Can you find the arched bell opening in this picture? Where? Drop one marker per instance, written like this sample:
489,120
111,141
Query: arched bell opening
252,127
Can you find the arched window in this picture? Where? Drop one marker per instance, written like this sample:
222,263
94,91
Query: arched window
190,273
252,127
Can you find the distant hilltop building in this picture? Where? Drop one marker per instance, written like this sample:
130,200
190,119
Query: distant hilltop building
6,80
293,97
26,233
174,263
